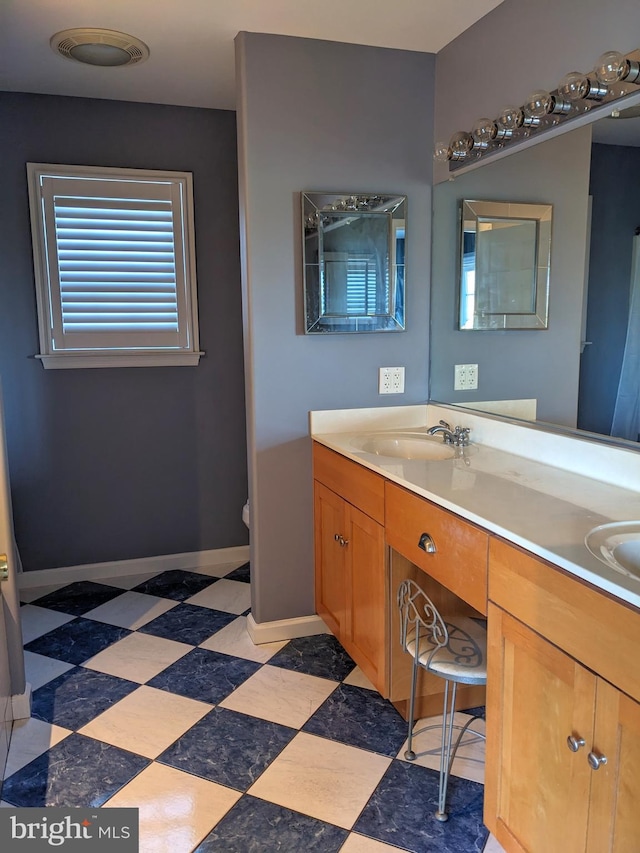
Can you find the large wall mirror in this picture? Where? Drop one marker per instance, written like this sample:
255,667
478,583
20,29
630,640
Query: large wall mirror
354,268
582,371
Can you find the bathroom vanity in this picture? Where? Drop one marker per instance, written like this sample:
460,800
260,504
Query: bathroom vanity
487,531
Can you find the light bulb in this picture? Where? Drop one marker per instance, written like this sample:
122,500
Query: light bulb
611,67
541,103
441,152
538,104
483,131
574,86
460,143
578,87
511,118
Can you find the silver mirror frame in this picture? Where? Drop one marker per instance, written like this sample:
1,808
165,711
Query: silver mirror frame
324,213
492,306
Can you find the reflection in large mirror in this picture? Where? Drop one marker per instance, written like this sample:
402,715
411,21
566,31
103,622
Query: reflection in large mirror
584,371
353,254
504,265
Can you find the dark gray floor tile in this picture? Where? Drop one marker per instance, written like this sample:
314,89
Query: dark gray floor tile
229,748
79,771
78,598
188,623
176,584
74,698
77,641
321,655
255,826
204,675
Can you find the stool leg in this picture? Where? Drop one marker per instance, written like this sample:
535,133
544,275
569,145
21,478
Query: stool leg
448,712
409,753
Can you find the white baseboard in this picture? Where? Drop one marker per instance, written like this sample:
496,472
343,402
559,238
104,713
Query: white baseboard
119,568
284,629
21,704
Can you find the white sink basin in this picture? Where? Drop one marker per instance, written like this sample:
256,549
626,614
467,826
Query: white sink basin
618,545
405,445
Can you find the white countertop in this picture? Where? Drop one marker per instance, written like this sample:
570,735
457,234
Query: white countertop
543,508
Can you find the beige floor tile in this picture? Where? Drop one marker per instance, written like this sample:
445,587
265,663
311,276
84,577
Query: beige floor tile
177,810
493,845
138,657
40,670
128,581
280,695
230,596
29,594
361,844
36,621
321,778
219,571
29,739
4,805
146,721
357,678
131,610
469,760
234,639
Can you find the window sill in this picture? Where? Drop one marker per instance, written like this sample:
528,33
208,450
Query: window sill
68,360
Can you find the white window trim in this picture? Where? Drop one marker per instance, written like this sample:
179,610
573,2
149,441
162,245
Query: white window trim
187,352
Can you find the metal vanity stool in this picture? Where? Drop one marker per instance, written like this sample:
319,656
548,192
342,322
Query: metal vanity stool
455,651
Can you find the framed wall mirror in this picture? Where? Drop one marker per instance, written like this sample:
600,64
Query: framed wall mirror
353,248
505,252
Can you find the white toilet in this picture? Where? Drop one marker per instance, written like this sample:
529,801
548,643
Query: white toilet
245,513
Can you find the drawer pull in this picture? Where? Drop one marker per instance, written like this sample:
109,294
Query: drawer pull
574,743
427,544
596,761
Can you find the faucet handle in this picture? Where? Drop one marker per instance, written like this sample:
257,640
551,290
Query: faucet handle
445,425
462,436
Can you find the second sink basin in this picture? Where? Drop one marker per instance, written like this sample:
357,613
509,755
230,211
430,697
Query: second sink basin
618,545
404,445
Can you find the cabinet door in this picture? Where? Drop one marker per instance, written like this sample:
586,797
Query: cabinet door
365,630
614,817
331,589
536,790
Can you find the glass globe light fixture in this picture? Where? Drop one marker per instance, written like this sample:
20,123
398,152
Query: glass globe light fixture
511,118
460,144
484,131
612,67
575,86
441,152
542,103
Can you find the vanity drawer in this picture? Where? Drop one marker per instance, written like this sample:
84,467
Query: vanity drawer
355,483
596,629
459,561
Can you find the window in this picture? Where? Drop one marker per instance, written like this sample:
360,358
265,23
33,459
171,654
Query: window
114,260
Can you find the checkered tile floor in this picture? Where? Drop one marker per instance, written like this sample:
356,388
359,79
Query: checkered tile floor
149,693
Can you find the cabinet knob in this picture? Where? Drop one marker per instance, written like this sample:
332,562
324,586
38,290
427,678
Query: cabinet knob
343,542
596,761
427,544
574,743
337,537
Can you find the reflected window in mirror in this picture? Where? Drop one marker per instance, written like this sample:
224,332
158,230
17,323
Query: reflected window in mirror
504,265
354,262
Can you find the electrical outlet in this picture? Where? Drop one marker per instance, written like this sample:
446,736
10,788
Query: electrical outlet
391,380
465,377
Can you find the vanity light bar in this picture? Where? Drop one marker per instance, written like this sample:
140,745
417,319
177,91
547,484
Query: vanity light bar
614,77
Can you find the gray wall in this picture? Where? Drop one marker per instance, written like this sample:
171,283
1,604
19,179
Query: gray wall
513,364
316,115
615,188
523,45
109,464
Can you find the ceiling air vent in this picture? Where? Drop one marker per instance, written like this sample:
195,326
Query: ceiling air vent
107,48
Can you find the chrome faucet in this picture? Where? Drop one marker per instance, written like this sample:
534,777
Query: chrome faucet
458,436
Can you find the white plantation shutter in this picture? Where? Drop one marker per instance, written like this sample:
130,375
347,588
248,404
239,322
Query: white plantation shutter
116,265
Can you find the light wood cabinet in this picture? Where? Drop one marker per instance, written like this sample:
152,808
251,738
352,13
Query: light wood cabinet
540,795
358,515
350,553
